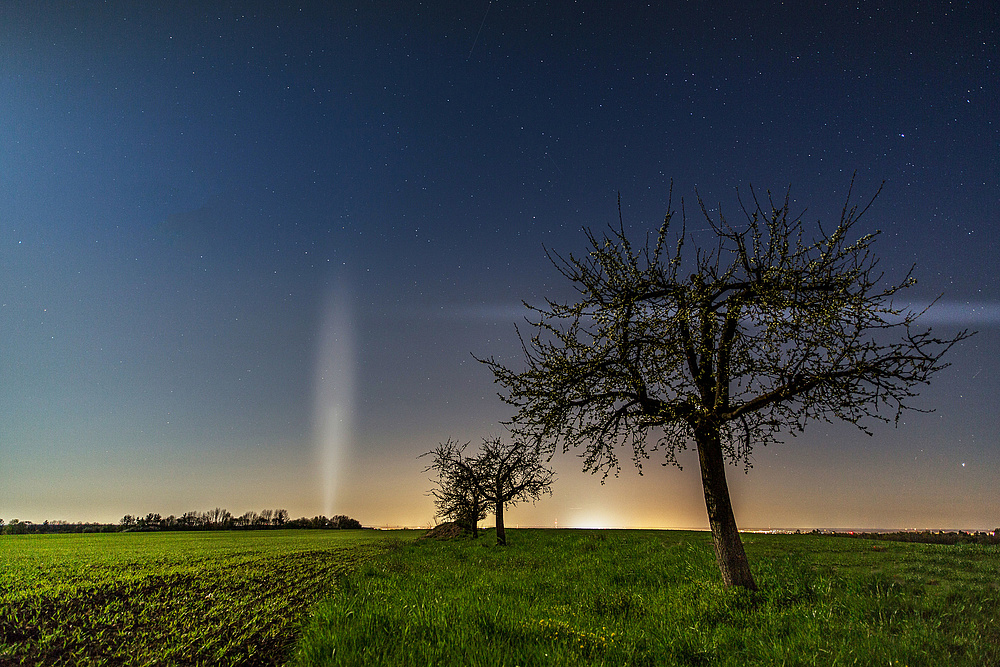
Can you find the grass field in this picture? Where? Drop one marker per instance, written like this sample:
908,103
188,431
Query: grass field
178,598
655,598
551,598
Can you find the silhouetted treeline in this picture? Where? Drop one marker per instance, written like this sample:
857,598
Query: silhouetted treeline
927,536
215,519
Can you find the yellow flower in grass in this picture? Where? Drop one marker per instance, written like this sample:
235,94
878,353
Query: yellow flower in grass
578,639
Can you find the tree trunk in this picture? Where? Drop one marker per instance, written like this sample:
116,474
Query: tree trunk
501,533
729,554
475,517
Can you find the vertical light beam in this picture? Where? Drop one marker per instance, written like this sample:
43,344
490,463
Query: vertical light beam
334,392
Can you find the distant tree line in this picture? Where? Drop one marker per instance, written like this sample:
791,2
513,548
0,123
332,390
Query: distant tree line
925,536
214,519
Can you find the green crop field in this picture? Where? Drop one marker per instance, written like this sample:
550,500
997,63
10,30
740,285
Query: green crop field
655,598
550,598
178,598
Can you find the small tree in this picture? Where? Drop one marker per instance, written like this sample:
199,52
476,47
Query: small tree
459,495
217,518
16,527
344,522
509,474
764,332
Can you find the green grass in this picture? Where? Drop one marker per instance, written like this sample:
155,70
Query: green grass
184,598
550,598
655,598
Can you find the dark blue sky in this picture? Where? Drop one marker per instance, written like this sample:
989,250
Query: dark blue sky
194,198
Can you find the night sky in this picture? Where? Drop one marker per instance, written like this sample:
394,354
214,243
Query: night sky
247,254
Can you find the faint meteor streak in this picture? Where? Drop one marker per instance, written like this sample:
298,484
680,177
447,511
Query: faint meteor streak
476,40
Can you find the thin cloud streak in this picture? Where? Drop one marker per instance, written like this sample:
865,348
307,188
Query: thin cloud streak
486,313
955,313
968,313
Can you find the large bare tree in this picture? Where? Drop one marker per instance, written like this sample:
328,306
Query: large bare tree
770,328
